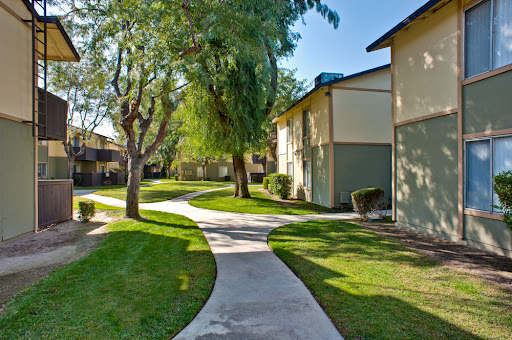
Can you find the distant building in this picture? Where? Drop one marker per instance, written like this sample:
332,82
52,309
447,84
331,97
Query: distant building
337,138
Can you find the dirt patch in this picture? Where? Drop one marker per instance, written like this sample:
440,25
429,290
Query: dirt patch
28,258
494,268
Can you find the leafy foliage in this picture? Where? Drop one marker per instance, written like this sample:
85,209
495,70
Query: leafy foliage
86,211
503,187
265,183
368,201
280,185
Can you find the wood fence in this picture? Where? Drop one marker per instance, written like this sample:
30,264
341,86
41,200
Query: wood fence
55,201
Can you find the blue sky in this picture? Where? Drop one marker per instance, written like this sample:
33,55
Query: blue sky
323,49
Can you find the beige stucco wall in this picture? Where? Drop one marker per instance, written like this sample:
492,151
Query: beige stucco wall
425,65
16,65
361,116
319,117
56,149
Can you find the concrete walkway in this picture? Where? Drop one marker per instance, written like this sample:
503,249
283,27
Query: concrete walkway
256,296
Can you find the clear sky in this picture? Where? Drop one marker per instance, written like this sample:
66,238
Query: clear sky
323,49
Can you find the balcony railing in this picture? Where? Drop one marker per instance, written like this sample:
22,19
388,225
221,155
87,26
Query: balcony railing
257,160
109,155
90,154
52,124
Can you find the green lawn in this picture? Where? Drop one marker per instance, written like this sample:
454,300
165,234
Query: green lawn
376,288
97,205
259,203
147,280
163,192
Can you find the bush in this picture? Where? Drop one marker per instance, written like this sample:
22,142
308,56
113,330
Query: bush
265,183
176,177
85,211
280,185
227,178
77,180
369,202
503,187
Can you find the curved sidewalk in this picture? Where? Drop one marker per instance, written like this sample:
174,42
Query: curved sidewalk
256,296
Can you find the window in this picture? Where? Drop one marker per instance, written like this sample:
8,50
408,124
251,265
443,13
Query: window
42,142
200,172
289,131
289,168
306,152
223,171
42,170
485,158
488,36
76,168
102,168
76,142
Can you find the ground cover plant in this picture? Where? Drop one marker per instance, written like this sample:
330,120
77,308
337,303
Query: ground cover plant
373,287
147,279
163,192
259,203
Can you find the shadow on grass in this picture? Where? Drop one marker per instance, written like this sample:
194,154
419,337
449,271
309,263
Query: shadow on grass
366,300
147,279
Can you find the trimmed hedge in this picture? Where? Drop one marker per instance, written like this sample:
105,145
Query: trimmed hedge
176,177
265,183
86,211
503,187
368,201
280,185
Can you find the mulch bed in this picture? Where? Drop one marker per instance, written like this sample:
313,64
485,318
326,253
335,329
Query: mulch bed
494,268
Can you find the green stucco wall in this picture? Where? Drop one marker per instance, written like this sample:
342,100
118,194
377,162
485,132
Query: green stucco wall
427,175
488,234
58,167
361,166
86,166
42,154
320,175
487,104
17,185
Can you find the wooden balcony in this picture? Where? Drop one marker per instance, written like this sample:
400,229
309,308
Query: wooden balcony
52,116
90,154
257,160
105,155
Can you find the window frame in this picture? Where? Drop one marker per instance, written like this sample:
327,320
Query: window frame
306,135
38,172
491,38
491,140
227,171
200,168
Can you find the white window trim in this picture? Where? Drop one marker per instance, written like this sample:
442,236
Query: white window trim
491,45
491,139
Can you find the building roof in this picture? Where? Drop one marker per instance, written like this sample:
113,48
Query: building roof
427,9
335,81
60,47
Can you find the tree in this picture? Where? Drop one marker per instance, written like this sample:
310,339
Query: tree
167,152
89,103
141,44
235,74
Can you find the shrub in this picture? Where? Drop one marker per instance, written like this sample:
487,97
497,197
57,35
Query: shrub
265,183
368,202
85,211
280,185
227,178
503,187
176,177
77,180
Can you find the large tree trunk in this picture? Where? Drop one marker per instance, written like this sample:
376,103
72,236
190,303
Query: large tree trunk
71,165
241,178
133,189
204,171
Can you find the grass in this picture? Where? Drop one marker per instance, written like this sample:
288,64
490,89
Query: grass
163,192
376,288
146,280
259,204
97,205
